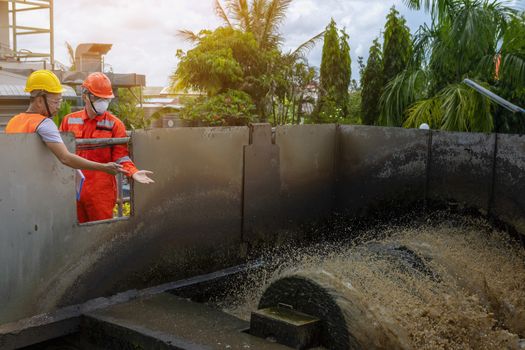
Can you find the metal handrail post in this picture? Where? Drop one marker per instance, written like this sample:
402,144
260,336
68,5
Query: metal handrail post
120,194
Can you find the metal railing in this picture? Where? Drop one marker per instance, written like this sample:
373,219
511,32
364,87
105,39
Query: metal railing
83,144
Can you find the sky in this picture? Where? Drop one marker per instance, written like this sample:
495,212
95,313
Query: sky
144,33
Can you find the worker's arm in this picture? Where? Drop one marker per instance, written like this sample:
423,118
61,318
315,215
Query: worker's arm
76,162
120,155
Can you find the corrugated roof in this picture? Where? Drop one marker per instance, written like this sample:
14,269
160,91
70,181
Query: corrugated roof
10,91
12,78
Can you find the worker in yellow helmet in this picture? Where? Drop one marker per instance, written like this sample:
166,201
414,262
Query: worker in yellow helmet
45,99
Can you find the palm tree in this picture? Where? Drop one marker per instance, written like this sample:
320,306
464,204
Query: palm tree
71,56
262,18
465,40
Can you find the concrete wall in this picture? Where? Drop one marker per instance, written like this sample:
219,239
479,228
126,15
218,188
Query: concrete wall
461,168
188,223
307,171
509,181
289,179
217,191
388,167
380,167
37,211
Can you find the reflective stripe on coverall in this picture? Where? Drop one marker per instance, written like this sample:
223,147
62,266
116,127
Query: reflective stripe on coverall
99,193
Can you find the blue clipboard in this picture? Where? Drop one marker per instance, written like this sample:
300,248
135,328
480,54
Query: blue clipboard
79,182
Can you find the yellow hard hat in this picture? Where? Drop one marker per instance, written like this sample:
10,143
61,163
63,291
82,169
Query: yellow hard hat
43,80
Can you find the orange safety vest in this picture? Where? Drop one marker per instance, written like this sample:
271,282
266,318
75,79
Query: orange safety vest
24,123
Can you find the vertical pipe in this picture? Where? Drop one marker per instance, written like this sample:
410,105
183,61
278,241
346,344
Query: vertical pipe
428,168
51,35
13,14
119,194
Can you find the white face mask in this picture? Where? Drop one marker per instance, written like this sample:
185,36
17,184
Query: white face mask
101,106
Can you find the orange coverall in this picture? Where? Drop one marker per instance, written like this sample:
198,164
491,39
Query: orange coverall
99,193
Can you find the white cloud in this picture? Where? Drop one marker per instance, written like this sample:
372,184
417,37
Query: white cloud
143,33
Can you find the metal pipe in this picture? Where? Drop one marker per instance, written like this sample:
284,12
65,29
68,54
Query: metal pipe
104,141
13,14
51,35
499,100
120,194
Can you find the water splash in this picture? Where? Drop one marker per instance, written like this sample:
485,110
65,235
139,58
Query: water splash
452,284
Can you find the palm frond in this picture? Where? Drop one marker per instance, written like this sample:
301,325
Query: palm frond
512,70
425,111
399,93
71,56
188,35
274,15
240,11
439,9
219,11
422,43
307,45
464,109
257,17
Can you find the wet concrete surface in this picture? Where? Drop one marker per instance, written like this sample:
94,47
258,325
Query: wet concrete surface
169,322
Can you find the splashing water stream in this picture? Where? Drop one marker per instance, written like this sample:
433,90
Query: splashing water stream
452,285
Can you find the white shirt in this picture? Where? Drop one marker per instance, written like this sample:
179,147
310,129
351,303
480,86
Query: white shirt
48,131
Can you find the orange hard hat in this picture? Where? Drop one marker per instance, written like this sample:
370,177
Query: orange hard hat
99,85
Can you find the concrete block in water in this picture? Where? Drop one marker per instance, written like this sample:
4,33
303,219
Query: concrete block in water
286,326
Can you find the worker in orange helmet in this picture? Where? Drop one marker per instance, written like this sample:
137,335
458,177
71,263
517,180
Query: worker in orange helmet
45,96
99,193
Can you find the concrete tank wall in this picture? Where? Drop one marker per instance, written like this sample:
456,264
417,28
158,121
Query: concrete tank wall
188,223
387,167
217,191
380,168
461,167
509,181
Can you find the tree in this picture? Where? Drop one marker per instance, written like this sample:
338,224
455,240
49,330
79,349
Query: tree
397,45
245,55
345,67
231,107
262,18
397,51
290,90
222,60
335,76
125,106
462,42
372,85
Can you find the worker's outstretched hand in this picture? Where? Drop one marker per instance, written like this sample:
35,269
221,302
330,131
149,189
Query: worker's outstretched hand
142,177
114,169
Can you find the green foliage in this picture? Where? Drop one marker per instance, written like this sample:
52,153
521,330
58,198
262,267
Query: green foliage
354,116
457,107
331,58
289,90
222,60
372,85
467,39
346,73
335,76
399,93
397,45
232,107
63,110
124,106
245,55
